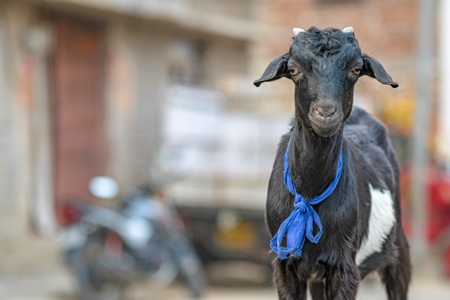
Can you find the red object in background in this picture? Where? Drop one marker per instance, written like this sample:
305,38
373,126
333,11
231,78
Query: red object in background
446,261
438,205
70,215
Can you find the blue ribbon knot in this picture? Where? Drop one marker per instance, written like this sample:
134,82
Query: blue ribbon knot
300,223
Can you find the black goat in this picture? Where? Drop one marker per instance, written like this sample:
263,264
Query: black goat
344,151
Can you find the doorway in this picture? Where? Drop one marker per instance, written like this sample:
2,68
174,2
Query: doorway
78,116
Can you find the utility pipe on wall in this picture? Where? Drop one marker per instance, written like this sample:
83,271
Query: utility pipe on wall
420,155
444,77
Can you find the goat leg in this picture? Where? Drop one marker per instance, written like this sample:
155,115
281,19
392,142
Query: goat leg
289,287
397,276
317,289
343,283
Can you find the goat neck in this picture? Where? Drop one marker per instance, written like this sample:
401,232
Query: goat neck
313,159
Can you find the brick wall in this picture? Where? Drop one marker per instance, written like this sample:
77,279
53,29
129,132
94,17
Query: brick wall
387,28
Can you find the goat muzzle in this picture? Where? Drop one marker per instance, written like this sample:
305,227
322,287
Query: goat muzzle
325,119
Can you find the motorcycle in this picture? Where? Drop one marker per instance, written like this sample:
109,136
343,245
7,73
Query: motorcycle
144,239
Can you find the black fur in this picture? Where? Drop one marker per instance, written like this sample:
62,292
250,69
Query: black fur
327,62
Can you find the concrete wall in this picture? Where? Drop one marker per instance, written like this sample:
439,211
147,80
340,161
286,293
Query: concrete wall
18,175
137,80
15,103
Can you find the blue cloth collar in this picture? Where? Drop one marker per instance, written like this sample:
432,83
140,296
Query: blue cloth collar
302,219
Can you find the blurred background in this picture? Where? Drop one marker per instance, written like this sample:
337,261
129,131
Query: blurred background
160,92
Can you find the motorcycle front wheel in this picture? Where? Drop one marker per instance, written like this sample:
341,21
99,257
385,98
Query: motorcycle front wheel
94,283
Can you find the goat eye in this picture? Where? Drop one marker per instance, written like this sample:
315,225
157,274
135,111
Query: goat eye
293,72
356,71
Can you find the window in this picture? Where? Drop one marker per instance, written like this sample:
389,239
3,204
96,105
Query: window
186,62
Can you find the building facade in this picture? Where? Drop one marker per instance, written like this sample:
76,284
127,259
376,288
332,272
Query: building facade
84,86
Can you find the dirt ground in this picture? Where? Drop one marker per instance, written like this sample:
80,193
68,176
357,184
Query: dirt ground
38,274
55,283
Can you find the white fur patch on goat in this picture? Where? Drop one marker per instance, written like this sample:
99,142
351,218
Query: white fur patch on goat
381,221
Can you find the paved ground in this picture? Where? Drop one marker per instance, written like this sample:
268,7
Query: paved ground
55,283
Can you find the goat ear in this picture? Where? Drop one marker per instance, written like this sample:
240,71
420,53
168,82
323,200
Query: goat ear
275,70
373,68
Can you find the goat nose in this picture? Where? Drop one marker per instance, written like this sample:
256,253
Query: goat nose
324,111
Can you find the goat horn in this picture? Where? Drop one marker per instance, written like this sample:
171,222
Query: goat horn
347,29
297,31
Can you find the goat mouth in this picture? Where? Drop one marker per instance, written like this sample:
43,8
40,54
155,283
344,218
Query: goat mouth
325,127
